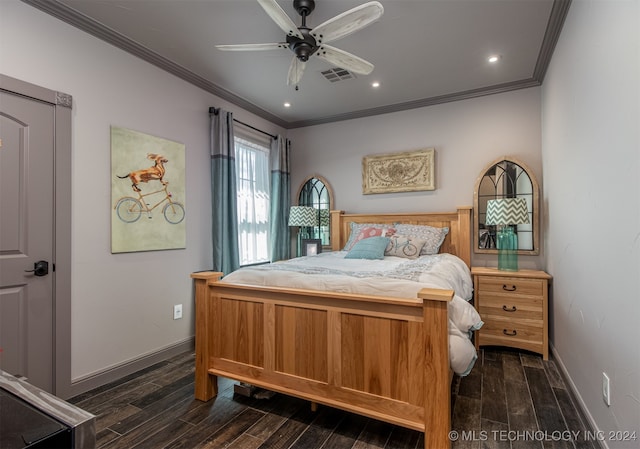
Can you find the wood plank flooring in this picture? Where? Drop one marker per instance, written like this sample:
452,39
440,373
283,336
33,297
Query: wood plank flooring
510,400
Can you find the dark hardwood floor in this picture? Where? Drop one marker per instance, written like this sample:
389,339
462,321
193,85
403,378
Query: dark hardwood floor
509,400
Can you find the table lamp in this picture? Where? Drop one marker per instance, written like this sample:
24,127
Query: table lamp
303,217
505,213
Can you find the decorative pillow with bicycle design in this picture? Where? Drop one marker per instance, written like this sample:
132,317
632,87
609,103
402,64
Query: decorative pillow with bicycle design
404,246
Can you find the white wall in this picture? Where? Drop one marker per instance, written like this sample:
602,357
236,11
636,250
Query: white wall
121,304
467,135
591,155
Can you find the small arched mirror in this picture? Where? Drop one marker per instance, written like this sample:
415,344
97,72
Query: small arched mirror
506,178
316,192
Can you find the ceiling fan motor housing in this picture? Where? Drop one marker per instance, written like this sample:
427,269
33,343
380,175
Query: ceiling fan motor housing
303,48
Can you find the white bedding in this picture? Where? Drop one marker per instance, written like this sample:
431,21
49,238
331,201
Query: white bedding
392,276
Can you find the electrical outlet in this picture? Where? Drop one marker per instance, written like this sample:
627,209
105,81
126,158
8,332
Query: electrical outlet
177,311
606,389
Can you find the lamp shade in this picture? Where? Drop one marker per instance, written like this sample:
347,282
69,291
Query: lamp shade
303,216
507,211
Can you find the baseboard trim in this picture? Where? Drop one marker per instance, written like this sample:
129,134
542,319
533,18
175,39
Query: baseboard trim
581,407
129,367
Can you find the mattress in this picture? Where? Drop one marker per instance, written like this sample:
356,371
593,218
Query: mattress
392,277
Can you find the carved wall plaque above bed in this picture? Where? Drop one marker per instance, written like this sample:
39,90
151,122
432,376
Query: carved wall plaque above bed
399,172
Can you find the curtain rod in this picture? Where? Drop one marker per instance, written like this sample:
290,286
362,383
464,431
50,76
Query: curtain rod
213,110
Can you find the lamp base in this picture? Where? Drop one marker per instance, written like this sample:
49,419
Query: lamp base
507,249
303,233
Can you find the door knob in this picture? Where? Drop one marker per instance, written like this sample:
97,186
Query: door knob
40,268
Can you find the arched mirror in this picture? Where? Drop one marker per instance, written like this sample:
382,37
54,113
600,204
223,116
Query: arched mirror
316,192
506,178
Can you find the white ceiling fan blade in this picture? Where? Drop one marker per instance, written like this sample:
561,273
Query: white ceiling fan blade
253,47
344,60
296,69
280,17
348,22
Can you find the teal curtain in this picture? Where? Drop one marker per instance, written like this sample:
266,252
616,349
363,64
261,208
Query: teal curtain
280,235
223,192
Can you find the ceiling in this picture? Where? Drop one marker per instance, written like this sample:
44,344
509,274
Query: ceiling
425,52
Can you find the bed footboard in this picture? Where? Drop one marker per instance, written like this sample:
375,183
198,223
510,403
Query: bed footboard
386,358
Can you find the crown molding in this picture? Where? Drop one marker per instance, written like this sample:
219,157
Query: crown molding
75,18
69,15
558,14
421,103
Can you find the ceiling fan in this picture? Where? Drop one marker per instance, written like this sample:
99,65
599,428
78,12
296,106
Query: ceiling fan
306,42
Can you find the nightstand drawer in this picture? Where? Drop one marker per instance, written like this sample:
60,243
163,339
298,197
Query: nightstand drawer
511,286
512,331
510,307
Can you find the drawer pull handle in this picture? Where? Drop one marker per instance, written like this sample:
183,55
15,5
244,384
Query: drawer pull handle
513,333
512,309
508,289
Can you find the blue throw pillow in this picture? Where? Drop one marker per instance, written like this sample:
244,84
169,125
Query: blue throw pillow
371,248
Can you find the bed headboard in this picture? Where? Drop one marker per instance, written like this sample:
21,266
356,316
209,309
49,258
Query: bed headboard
458,240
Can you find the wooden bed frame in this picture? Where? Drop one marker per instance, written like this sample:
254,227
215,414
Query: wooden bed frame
382,357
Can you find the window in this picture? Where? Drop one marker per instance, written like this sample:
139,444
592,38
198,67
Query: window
253,181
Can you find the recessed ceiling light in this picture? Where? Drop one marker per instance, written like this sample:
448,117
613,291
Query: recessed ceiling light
287,104
375,84
494,58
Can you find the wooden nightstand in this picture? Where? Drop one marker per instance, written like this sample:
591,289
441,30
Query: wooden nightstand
514,308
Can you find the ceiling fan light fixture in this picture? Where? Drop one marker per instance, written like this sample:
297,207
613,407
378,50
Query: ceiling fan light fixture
303,51
494,59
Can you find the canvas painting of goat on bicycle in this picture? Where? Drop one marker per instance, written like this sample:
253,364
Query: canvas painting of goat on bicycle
147,192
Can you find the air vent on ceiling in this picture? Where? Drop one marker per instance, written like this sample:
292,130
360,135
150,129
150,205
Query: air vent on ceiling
337,74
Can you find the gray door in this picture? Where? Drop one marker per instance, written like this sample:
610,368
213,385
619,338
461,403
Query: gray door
26,238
